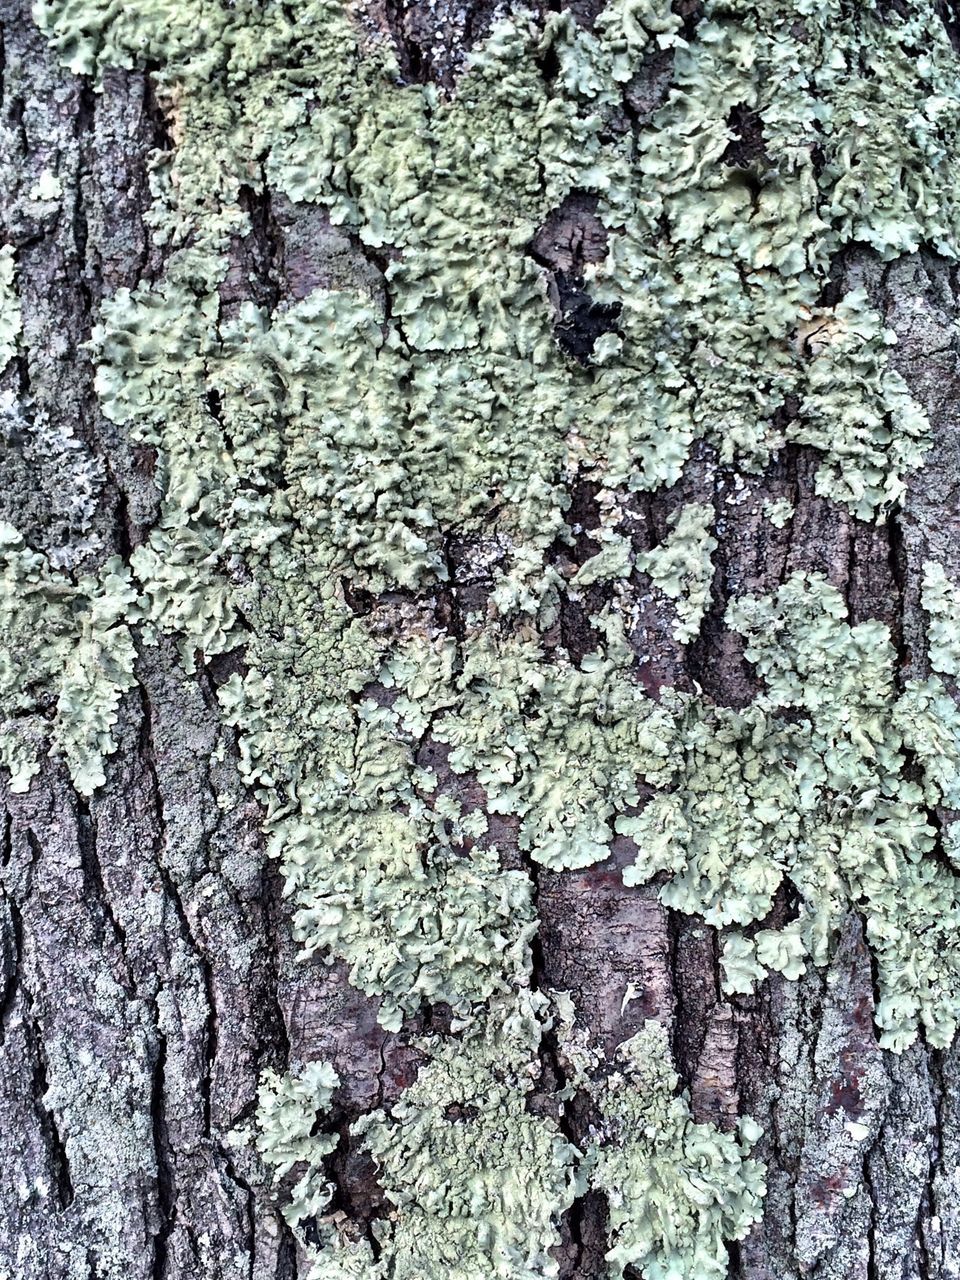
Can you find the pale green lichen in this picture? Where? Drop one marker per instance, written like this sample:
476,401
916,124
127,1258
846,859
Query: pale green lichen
335,443
941,602
779,512
11,320
681,566
677,1191
288,1108
477,1182
859,413
64,647
338,439
614,560
810,783
708,345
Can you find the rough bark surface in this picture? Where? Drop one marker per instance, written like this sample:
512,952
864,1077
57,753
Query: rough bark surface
147,970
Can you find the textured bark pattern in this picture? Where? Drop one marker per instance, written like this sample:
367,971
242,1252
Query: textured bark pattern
147,972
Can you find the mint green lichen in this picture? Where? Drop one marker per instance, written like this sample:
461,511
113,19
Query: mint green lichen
941,602
677,1190
708,345
381,872
288,1108
11,321
858,412
681,566
65,644
779,512
614,560
336,442
560,747
808,783
477,1182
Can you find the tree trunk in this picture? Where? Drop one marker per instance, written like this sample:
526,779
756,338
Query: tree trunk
150,975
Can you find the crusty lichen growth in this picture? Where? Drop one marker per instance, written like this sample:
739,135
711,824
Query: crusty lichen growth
288,1108
11,321
677,1191
477,1181
65,647
810,784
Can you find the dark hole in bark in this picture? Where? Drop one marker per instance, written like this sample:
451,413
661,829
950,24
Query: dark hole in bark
581,320
457,1114
746,148
160,132
571,237
359,600
648,89
949,12
691,11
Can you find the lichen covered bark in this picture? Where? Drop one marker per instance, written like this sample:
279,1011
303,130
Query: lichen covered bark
494,489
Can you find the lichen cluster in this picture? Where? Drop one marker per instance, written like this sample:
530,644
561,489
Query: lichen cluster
477,1182
811,784
65,649
677,1190
331,448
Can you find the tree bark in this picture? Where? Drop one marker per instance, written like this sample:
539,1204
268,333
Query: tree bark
148,969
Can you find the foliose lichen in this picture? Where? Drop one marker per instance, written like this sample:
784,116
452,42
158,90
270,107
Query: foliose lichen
477,1182
288,1108
65,648
810,784
941,602
681,566
677,1190
328,446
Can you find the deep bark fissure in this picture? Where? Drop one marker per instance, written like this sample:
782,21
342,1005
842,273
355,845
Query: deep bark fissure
166,1178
